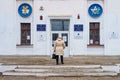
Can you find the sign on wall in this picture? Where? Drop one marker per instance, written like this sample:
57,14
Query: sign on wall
41,36
95,10
41,27
78,31
78,27
25,10
113,35
78,35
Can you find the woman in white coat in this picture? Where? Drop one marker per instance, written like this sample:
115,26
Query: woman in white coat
59,47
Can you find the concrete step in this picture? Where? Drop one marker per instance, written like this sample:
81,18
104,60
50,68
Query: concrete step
5,68
58,66
113,68
58,70
58,74
1,64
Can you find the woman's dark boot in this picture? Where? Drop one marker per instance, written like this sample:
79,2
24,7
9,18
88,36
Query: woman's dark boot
57,59
62,60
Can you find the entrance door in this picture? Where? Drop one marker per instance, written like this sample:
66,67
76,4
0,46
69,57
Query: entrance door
60,28
65,37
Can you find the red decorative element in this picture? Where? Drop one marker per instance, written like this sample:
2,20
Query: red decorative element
41,17
78,17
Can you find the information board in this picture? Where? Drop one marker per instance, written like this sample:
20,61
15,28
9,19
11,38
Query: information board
41,27
78,27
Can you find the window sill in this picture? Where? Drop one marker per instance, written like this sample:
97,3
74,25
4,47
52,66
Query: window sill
95,45
24,45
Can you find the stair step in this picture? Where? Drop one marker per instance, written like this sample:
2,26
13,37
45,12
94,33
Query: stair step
1,63
75,74
58,70
60,66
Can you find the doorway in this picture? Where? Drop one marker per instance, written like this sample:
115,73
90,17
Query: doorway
60,28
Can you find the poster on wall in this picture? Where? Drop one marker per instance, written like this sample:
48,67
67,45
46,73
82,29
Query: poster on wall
78,31
41,37
64,38
113,35
28,37
78,35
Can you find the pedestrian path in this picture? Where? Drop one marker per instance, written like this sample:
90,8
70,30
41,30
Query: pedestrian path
59,70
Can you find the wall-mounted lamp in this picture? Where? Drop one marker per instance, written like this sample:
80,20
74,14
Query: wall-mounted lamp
41,17
78,16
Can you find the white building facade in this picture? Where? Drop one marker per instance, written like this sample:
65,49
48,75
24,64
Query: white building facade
88,27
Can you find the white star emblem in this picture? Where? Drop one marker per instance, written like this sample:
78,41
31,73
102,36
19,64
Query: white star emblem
95,10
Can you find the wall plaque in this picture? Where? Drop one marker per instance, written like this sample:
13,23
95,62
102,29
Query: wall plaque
41,27
78,27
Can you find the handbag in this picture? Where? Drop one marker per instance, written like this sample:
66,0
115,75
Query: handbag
53,56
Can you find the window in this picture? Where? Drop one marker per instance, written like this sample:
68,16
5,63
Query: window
94,37
60,25
25,34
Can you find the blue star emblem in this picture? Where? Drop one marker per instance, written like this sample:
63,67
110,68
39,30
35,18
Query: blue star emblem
25,10
95,10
